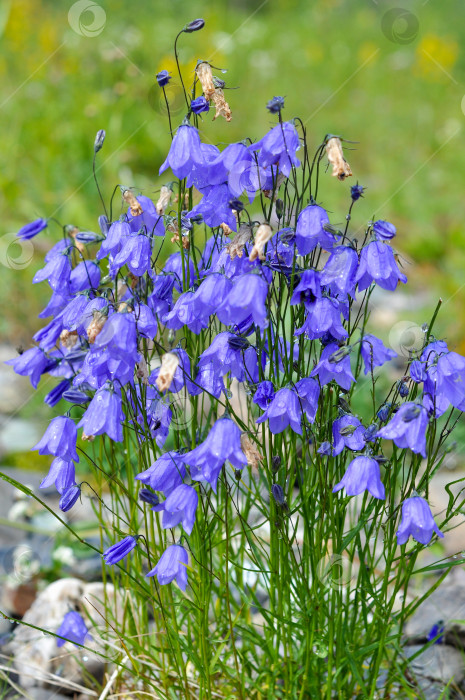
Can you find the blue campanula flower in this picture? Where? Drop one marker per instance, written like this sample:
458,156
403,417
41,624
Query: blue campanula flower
208,379
119,337
172,566
86,275
284,410
223,443
215,286
417,521
417,371
118,232
329,368
374,353
450,379
73,629
383,230
32,229
325,449
323,316
104,415
118,551
310,230
32,363
48,336
184,152
184,313
62,473
161,298
59,439
166,473
308,392
437,630
308,289
339,272
58,301
58,248
74,310
407,428
356,191
279,146
69,498
150,221
247,297
200,104
378,264
275,105
362,474
264,394
203,176
214,207
179,507
146,323
348,431
227,353
57,272
135,253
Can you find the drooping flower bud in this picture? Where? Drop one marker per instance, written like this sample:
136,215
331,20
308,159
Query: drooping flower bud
130,199
164,199
275,463
163,78
275,105
263,235
194,26
341,168
200,104
99,139
147,496
169,365
69,498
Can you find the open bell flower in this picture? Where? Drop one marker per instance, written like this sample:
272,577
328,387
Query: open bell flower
417,521
59,439
172,566
362,474
73,629
407,428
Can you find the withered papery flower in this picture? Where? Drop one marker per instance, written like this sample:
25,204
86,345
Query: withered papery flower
221,106
96,325
226,229
130,199
169,364
163,200
263,235
68,338
250,450
341,168
142,371
79,244
204,74
242,237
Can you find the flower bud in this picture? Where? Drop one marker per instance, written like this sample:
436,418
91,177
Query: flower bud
104,224
169,365
75,396
263,235
69,498
147,496
87,237
236,342
278,494
383,412
341,168
200,104
99,139
275,464
194,26
163,78
275,105
279,208
356,191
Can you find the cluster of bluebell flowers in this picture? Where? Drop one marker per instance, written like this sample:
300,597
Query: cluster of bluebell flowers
260,291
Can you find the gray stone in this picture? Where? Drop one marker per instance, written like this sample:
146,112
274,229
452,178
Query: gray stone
445,606
18,435
14,390
440,663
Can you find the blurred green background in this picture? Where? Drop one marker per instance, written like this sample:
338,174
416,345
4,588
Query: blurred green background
390,78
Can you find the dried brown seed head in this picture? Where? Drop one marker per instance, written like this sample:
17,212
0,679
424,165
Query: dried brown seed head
341,168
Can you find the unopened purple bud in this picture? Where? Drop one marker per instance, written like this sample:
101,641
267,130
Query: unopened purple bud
383,412
218,82
118,551
148,496
99,139
356,191
403,389
384,230
104,224
194,26
275,463
88,237
275,105
325,448
200,104
163,78
278,494
380,459
69,498
279,207
236,204
75,396
343,404
32,229
370,432
238,343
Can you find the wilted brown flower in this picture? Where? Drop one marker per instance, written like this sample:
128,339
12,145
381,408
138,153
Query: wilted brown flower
222,107
142,371
250,450
279,181
263,235
130,199
204,74
242,237
68,338
226,229
169,364
341,168
163,199
96,325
